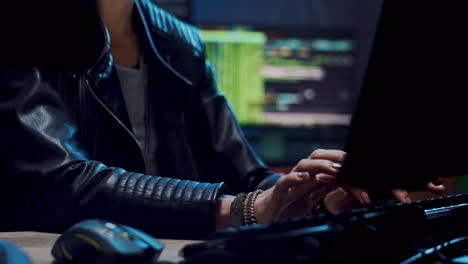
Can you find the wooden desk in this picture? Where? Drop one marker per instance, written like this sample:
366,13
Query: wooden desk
38,246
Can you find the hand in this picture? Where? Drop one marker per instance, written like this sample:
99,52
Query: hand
295,194
348,197
345,197
436,187
341,200
283,199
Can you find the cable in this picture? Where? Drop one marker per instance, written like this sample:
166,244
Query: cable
445,252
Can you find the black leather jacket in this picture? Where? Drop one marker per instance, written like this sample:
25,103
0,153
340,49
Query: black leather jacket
68,153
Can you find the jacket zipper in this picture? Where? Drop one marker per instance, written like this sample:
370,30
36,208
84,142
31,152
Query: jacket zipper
118,121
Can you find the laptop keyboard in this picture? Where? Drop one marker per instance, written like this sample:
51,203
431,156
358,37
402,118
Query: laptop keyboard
382,233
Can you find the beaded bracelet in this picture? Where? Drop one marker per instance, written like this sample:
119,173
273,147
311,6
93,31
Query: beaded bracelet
249,207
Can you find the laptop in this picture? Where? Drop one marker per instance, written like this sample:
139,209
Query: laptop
408,128
409,125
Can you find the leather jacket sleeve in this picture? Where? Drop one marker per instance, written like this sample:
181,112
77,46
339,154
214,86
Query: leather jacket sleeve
48,182
232,150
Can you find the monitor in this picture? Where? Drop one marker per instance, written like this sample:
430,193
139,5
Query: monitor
283,63
285,76
288,68
309,75
409,121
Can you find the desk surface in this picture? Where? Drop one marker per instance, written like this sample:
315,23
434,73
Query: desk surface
38,246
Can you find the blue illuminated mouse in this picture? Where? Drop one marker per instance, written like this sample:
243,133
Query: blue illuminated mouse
105,242
12,254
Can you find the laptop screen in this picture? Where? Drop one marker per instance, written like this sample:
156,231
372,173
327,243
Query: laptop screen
410,120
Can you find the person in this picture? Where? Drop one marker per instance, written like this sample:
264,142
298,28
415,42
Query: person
119,117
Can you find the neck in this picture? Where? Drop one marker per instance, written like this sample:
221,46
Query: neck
117,17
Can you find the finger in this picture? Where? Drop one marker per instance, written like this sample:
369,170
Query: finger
439,181
334,155
291,180
292,187
326,179
401,195
436,189
360,194
316,166
356,192
340,201
325,183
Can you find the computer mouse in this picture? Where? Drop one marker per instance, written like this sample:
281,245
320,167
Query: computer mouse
12,254
105,242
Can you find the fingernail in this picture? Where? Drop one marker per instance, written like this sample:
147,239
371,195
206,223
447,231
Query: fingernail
336,165
302,174
365,197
